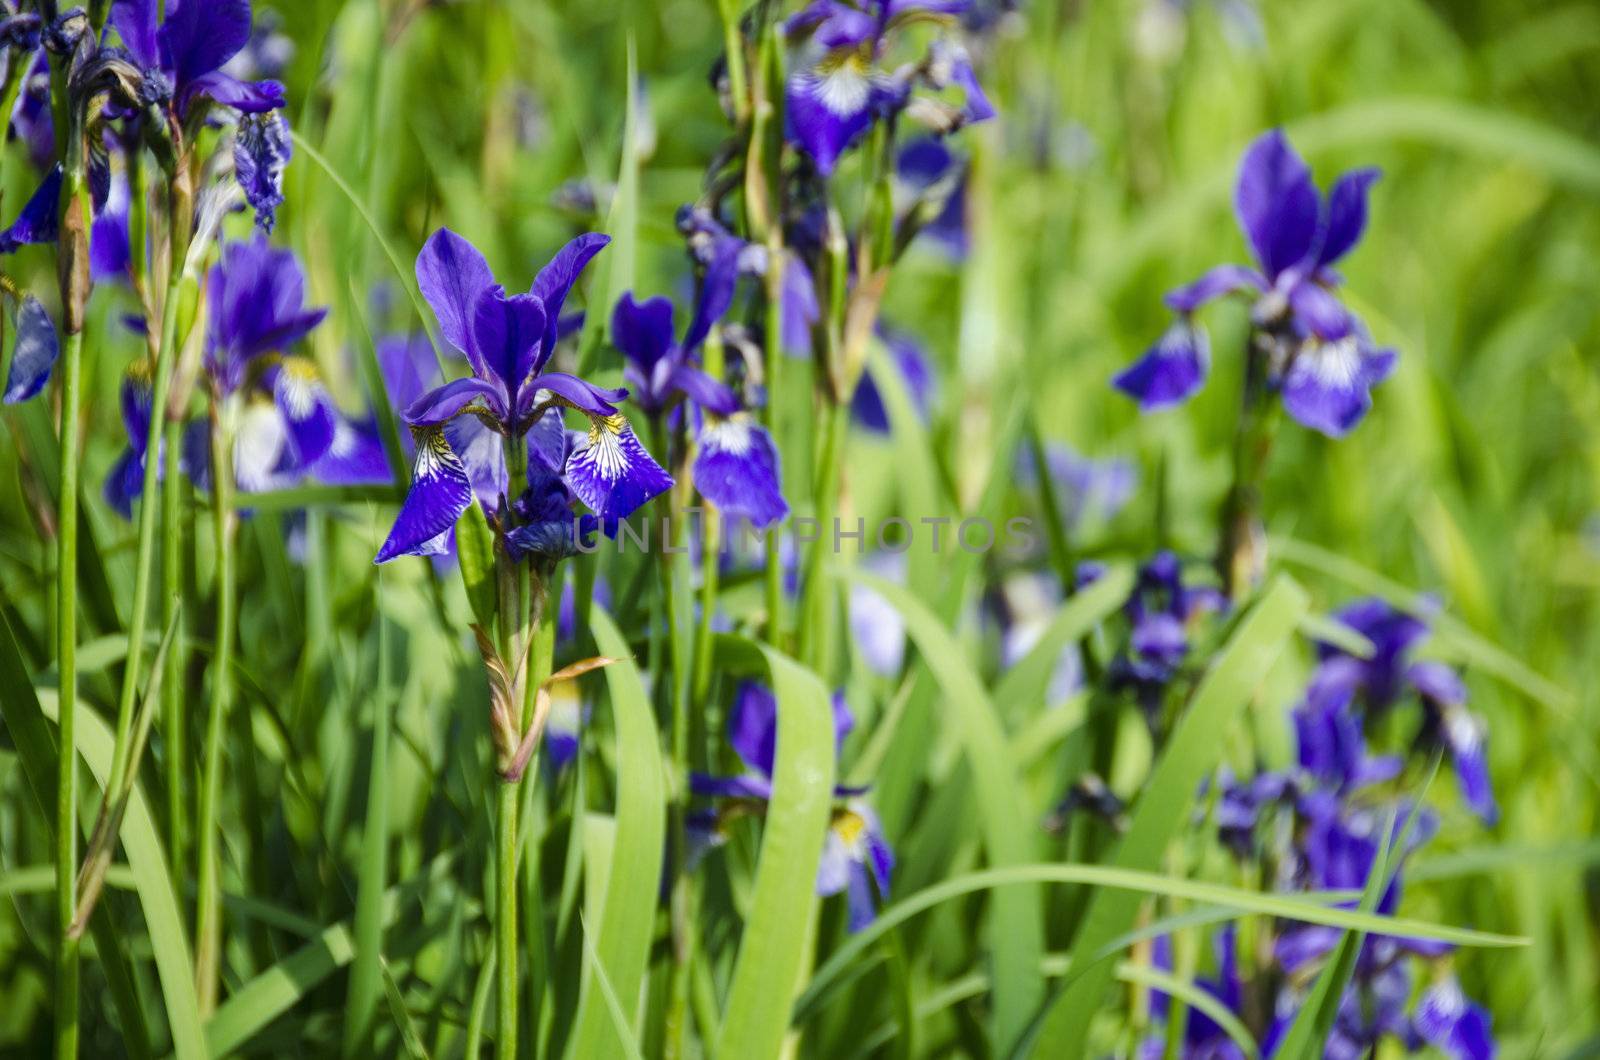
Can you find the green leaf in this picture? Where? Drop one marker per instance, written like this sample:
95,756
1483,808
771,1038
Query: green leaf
361,998
1163,806
475,549
776,937
620,948
1025,682
1015,927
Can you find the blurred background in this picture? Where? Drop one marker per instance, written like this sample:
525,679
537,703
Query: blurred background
1106,180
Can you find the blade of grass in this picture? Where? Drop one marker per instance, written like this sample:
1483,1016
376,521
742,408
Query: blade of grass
767,971
1015,927
628,905
361,1000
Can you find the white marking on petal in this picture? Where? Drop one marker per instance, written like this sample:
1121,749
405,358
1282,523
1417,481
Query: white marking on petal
298,384
1336,365
734,437
841,84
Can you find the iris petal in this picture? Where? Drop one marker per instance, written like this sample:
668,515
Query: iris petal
737,470
1276,203
452,274
440,492
1170,371
556,280
35,352
308,411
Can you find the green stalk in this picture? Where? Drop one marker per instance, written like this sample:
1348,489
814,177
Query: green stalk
66,986
173,721
773,540
166,357
709,577
816,631
1241,547
208,929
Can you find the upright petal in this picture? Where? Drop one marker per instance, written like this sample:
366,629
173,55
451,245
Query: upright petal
34,354
440,492
1347,214
1276,203
198,36
753,726
737,470
408,365
1171,370
556,280
452,274
135,23
507,333
612,473
1319,312
642,330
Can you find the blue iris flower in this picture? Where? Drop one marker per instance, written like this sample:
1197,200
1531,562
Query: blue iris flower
1322,360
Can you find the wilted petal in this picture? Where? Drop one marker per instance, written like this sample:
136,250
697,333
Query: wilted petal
261,151
612,473
1276,203
737,470
452,274
34,353
1171,370
1224,279
1329,384
1347,214
440,492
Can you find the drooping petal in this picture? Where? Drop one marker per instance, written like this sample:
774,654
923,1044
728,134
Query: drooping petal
916,375
1437,682
124,483
355,457
1276,203
1347,214
445,402
799,307
194,459
716,291
860,904
1465,734
308,411
1329,384
547,443
440,492
556,280
753,726
483,454
260,443
643,331
737,470
1224,279
408,366
261,151
110,250
34,353
951,65
198,36
136,399
1460,1029
1170,371
829,106
612,472
876,626
39,221
452,274
570,391
248,97
507,333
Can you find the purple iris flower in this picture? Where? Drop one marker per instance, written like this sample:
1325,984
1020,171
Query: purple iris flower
188,48
286,420
1449,1022
916,373
856,858
725,258
929,176
1161,611
1085,488
35,352
1321,359
736,464
508,340
837,92
1380,681
1203,1038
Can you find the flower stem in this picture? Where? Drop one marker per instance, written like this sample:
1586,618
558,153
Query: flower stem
148,506
208,929
174,723
66,986
816,630
505,921
1241,549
